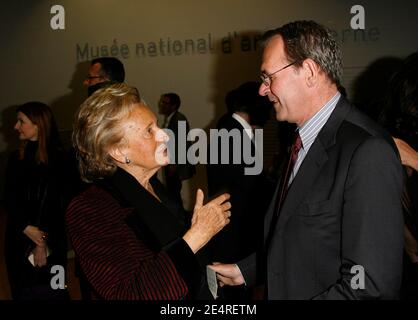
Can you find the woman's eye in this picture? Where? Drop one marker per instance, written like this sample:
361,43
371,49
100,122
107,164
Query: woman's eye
148,133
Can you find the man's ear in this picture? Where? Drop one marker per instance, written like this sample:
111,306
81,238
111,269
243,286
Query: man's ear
311,71
117,154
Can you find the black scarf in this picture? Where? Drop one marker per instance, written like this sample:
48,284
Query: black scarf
156,223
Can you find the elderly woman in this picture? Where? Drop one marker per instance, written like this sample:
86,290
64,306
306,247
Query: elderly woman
126,232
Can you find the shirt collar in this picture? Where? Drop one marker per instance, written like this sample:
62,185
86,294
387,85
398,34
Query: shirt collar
244,123
167,121
310,129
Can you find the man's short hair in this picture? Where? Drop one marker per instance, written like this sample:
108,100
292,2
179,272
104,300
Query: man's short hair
308,39
111,68
246,99
174,99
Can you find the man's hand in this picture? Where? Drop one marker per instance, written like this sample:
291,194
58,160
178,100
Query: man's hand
228,274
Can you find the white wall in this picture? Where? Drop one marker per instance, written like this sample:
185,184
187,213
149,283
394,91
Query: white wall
39,63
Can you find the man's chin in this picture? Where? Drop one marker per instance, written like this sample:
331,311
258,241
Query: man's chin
280,116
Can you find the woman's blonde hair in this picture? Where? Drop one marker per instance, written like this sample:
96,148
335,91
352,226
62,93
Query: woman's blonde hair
97,128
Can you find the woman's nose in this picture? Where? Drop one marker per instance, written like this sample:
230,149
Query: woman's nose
162,136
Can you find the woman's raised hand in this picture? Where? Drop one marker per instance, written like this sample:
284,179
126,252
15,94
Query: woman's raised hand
207,220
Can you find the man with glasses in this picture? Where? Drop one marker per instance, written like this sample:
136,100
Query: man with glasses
334,228
104,71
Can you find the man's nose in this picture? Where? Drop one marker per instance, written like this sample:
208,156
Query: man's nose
264,89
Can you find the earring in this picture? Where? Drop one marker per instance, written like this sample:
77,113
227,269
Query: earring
127,160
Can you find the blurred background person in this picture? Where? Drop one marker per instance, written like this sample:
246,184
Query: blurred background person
400,117
246,110
35,199
125,229
250,194
175,173
104,71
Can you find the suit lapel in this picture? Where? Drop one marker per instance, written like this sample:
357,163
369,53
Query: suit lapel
268,220
151,220
173,123
304,180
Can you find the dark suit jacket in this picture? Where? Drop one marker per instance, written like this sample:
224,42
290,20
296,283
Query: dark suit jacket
342,209
250,196
187,170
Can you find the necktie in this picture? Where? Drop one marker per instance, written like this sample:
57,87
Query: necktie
284,185
297,144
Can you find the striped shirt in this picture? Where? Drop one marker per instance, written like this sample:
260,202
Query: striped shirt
310,130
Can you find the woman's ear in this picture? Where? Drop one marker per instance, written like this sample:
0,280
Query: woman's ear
37,132
117,154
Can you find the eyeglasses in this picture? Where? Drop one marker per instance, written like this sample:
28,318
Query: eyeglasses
93,77
268,78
